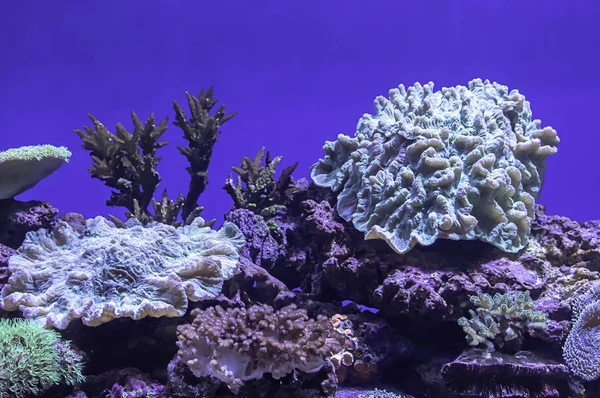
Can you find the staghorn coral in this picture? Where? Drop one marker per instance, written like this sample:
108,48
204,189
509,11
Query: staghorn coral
34,359
127,161
22,168
501,319
108,272
236,345
460,163
256,188
201,132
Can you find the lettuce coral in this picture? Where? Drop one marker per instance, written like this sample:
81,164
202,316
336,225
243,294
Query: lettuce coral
460,163
108,272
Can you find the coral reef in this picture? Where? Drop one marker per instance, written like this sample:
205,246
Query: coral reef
237,344
460,163
121,383
127,161
256,187
108,272
502,319
481,373
581,347
288,299
22,168
34,359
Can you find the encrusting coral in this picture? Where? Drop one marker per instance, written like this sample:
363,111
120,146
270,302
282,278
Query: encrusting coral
236,345
34,359
22,168
127,161
460,163
107,272
502,319
256,187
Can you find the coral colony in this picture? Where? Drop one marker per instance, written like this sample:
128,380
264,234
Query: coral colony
416,263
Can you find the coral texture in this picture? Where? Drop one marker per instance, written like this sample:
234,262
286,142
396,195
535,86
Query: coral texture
238,344
120,383
460,163
17,218
33,359
581,347
480,373
109,272
501,319
22,168
256,188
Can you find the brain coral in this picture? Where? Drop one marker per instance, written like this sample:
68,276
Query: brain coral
460,163
108,272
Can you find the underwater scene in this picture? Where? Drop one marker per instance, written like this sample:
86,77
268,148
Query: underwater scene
299,199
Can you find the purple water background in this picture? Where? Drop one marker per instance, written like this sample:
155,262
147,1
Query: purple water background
299,72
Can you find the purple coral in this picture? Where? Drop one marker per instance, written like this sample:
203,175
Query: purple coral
480,373
237,344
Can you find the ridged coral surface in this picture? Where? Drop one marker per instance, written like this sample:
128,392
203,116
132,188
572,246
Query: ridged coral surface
108,272
460,163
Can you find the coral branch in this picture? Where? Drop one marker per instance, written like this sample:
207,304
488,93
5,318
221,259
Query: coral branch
201,131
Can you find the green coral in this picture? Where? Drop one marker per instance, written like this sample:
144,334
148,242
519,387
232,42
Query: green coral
501,319
257,189
34,359
127,161
459,163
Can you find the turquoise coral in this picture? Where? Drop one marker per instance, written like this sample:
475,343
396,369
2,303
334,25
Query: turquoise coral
460,163
501,319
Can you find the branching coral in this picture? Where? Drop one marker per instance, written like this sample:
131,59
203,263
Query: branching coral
22,168
127,161
201,131
33,359
501,319
256,187
108,272
460,163
238,344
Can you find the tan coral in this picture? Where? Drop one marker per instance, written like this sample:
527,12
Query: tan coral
22,168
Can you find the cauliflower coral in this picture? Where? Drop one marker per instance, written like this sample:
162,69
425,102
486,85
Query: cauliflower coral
108,272
460,163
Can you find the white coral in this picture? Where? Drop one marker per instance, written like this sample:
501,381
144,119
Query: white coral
109,272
